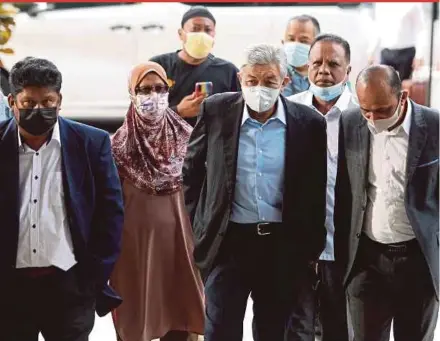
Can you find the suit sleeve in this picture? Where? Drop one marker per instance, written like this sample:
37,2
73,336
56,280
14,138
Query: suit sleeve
194,170
318,188
105,239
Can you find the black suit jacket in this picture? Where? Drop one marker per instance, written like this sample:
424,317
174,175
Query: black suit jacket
210,172
422,176
342,208
93,199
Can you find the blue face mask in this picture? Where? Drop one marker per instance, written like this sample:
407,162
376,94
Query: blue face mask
297,53
327,94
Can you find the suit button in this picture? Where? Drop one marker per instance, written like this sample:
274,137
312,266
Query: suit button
358,235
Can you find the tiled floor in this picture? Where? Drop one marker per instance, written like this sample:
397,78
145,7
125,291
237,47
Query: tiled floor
103,330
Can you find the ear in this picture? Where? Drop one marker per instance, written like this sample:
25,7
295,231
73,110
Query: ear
282,41
405,96
181,34
348,70
240,76
12,105
286,81
61,100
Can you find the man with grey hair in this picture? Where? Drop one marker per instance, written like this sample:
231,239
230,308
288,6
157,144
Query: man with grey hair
255,183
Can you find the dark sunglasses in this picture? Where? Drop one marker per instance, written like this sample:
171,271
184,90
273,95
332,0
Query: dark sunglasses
146,90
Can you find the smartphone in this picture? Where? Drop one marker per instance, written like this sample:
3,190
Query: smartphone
204,88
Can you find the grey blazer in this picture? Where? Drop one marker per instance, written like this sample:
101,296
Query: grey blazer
422,181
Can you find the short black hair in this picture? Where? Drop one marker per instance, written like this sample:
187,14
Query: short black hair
334,39
305,18
197,11
33,71
386,72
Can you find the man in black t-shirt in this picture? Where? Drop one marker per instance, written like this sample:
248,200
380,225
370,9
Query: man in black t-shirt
194,63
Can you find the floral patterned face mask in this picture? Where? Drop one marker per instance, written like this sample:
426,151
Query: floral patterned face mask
151,105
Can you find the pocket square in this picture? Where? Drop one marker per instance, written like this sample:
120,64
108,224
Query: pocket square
428,163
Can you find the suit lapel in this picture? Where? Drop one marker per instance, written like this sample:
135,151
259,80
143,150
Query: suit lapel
417,141
293,146
231,131
363,140
73,161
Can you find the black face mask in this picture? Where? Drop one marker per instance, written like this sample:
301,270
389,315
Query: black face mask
38,121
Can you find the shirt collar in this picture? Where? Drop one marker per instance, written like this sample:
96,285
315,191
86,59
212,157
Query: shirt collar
406,125
280,114
55,135
293,71
342,103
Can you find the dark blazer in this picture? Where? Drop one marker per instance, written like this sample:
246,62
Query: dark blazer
422,176
93,199
341,219
209,174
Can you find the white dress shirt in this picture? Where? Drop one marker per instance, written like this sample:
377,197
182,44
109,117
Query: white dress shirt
44,236
332,117
386,220
397,26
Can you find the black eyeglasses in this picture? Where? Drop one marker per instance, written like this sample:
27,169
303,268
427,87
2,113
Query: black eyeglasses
146,90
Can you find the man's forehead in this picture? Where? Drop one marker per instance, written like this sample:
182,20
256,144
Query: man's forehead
298,26
327,49
33,91
199,21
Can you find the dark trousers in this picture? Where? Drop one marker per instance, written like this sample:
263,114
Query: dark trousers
58,304
392,283
246,266
399,59
332,302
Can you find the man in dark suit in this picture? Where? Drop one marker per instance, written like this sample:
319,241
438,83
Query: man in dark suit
61,213
392,153
255,187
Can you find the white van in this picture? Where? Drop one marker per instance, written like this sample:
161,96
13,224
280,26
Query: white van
96,44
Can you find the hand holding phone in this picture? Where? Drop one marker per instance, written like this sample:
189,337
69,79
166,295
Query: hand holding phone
204,88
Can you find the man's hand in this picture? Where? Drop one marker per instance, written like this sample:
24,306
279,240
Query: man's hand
189,106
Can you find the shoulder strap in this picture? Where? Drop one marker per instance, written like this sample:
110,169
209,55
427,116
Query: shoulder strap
186,84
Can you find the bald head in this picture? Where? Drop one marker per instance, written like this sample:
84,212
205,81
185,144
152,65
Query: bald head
379,91
380,77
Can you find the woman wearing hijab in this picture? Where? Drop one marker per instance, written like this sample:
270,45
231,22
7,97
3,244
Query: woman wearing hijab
155,274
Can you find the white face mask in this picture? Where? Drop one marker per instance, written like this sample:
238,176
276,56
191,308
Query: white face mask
379,126
260,98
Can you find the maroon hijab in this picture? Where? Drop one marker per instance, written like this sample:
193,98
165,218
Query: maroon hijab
149,151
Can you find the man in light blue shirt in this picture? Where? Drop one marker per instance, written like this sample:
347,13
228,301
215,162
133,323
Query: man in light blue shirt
5,112
255,182
300,34
261,148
